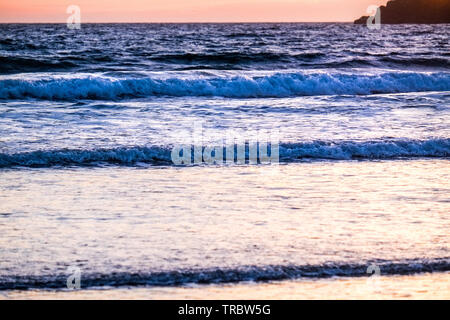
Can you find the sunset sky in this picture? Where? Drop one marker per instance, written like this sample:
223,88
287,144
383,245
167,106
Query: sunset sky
186,10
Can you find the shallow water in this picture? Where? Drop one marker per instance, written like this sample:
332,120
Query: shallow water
171,226
434,286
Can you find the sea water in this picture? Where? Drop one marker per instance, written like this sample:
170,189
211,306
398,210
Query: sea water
89,118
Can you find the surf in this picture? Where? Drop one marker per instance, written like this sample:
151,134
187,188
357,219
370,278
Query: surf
288,152
229,85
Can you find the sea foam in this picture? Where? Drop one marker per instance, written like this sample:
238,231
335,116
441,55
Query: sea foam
288,152
98,87
226,275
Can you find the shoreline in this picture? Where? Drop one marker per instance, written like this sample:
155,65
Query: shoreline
427,286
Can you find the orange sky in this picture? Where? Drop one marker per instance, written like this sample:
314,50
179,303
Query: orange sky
185,10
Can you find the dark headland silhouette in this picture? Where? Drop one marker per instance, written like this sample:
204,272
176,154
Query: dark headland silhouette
413,11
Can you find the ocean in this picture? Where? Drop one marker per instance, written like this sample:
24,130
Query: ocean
355,205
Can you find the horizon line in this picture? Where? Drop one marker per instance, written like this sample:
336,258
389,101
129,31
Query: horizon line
184,22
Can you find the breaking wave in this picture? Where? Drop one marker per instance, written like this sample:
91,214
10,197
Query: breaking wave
389,149
237,86
225,275
289,152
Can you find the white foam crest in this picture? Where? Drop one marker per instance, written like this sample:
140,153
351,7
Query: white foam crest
231,85
289,152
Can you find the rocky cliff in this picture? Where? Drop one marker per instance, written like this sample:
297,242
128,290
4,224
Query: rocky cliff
413,11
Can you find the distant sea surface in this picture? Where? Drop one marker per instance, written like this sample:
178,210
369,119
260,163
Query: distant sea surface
88,119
